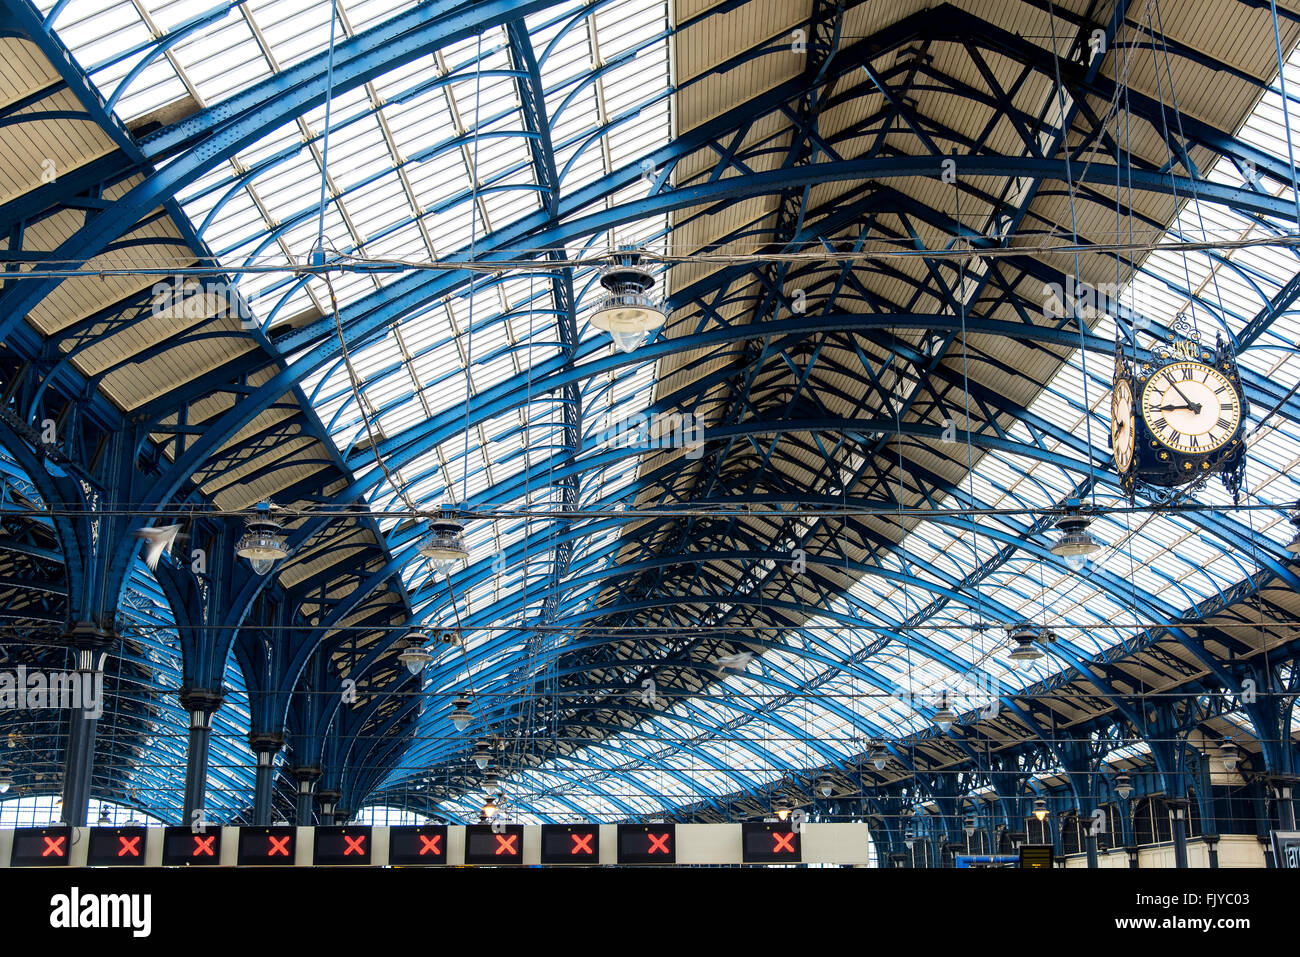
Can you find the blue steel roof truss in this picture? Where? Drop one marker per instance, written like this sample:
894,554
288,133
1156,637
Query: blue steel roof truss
789,412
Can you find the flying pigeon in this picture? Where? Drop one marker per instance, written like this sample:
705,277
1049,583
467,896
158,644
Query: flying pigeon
159,540
737,662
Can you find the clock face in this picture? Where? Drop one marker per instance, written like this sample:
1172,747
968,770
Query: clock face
1121,425
1191,407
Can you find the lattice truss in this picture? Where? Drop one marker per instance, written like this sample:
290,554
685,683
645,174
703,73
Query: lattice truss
931,389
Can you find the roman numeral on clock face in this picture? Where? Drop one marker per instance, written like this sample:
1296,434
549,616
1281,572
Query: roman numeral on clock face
1178,404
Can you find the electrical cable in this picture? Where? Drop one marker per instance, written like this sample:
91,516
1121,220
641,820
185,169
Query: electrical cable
1066,122
529,512
352,513
499,266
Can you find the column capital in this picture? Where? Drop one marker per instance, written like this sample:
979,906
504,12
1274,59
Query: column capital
263,743
87,636
201,699
309,774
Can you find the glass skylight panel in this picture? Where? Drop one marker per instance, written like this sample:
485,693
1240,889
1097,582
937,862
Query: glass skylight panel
1175,563
220,62
82,29
581,163
388,231
228,236
378,202
294,29
99,41
402,416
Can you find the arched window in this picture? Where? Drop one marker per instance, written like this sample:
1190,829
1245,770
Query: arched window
386,816
1112,829
1071,839
1037,832
45,810
1194,826
1151,824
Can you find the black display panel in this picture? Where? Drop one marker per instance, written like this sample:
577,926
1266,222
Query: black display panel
1037,856
185,847
41,847
766,843
570,843
418,845
1286,849
647,844
115,847
502,846
342,845
268,845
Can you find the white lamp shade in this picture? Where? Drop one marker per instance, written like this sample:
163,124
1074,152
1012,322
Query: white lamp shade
415,659
1075,561
628,312
460,716
1076,543
626,341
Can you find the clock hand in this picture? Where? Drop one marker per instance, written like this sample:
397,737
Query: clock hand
1194,409
1183,395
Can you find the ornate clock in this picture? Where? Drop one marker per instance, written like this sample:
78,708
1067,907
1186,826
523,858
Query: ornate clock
1123,425
1191,407
1187,412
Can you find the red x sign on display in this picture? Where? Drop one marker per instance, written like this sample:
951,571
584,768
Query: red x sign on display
783,842
53,846
279,845
203,845
355,845
128,846
658,842
582,844
506,844
429,845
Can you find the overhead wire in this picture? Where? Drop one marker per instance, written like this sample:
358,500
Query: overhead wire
795,510
529,512
530,259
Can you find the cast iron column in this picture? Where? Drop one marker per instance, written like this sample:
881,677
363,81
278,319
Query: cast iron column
328,802
201,705
265,747
79,767
306,778
1179,807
